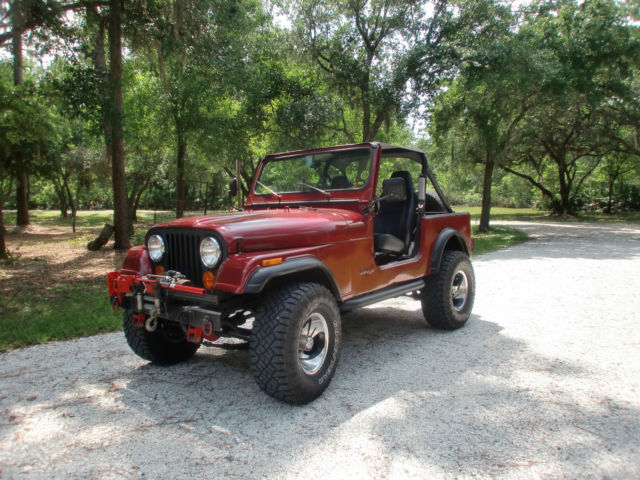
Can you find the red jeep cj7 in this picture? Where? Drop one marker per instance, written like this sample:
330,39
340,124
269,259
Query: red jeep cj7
323,231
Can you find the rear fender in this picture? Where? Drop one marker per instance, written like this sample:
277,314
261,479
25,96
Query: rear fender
448,239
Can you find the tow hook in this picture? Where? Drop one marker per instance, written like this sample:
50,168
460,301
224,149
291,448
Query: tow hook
207,327
151,324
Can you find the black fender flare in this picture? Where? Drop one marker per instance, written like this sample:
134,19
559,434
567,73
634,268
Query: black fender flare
440,244
259,279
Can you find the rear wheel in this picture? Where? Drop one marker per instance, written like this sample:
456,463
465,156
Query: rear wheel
165,346
295,342
447,299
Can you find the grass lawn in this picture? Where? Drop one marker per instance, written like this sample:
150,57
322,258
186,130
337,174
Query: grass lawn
91,218
496,239
30,317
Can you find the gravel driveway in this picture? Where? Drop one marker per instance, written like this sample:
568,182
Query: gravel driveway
543,382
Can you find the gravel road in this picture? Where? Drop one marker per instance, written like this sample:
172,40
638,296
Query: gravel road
543,382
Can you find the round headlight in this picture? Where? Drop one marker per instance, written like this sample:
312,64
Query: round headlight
210,251
155,246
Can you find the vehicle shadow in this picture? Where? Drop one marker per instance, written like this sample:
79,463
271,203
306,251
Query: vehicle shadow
407,396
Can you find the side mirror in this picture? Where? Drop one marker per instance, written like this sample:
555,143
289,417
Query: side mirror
233,187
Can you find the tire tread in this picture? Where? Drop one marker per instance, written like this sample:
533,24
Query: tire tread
268,340
153,346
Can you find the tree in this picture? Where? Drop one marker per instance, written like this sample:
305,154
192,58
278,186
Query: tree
492,93
29,128
371,50
587,53
17,18
195,49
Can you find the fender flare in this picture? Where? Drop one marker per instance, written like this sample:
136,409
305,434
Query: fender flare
440,244
138,261
259,279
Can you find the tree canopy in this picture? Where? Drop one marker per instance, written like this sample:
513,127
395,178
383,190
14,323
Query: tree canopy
109,104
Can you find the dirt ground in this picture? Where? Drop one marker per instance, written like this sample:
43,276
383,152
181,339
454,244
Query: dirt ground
52,252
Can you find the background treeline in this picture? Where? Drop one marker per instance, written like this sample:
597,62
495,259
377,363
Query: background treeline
154,103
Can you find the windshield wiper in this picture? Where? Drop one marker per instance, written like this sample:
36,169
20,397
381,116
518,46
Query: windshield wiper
269,190
324,192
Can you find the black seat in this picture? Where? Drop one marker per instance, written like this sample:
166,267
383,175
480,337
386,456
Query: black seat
394,224
340,182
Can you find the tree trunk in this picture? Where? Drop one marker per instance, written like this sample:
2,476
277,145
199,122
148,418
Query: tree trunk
206,197
366,116
564,205
22,192
72,202
100,65
180,186
134,199
3,246
610,197
17,44
22,196
121,220
486,193
102,239
62,198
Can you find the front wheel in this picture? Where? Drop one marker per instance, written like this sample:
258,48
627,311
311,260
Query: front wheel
295,342
165,346
447,299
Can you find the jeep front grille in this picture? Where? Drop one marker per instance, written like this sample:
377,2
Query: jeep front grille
183,254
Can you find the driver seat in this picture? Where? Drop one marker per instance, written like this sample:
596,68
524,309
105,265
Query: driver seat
394,224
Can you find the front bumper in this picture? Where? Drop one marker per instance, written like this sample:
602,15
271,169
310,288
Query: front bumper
155,298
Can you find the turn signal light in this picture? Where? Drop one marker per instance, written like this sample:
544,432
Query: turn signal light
271,261
159,270
207,280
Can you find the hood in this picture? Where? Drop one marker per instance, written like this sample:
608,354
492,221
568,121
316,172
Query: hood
281,228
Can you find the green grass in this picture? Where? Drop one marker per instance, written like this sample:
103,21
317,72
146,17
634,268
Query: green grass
30,316
92,218
496,239
500,213
84,218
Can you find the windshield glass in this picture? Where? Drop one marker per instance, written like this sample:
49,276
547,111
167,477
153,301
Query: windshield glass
324,171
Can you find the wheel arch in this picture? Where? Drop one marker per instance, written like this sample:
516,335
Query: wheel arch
448,239
305,269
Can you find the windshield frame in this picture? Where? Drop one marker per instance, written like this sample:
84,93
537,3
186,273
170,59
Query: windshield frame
302,190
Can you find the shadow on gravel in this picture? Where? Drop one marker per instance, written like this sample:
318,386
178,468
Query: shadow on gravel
405,396
407,401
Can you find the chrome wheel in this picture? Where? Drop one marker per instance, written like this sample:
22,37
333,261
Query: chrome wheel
459,290
312,347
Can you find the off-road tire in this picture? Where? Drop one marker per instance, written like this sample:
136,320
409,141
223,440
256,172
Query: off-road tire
274,346
439,307
432,203
154,346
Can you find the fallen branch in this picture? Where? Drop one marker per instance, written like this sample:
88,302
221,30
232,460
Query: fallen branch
103,238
